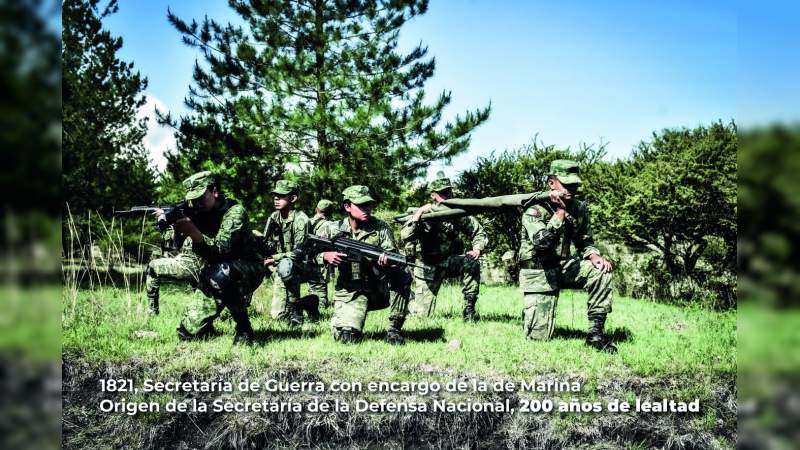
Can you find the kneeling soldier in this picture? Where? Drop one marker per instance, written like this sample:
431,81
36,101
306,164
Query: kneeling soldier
366,285
285,231
231,270
546,265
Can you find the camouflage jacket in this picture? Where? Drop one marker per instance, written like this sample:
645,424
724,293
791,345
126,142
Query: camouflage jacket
546,239
373,232
226,234
319,225
287,234
434,242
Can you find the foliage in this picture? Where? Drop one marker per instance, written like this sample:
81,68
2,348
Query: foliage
30,109
105,163
674,194
769,208
517,171
317,88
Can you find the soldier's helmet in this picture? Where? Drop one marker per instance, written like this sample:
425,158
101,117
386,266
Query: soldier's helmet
441,183
357,194
566,170
325,205
285,187
197,184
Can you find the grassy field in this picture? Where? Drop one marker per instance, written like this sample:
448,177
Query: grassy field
664,352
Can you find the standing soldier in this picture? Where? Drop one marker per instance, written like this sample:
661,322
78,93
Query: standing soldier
285,231
366,285
439,247
220,237
318,272
546,265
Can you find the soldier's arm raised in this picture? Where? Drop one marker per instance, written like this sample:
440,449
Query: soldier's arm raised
221,245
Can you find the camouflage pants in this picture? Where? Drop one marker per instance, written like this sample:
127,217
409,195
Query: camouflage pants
350,308
540,289
284,294
221,285
427,282
183,267
318,282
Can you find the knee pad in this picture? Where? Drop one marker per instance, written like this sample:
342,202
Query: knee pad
219,281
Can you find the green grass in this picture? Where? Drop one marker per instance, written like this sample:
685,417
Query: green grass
110,325
664,352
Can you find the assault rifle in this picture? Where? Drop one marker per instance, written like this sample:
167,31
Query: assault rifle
171,213
355,250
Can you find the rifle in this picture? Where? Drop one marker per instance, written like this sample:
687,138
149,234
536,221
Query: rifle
355,250
171,213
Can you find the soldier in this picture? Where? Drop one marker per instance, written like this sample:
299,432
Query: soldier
439,248
318,272
286,230
366,285
546,265
220,237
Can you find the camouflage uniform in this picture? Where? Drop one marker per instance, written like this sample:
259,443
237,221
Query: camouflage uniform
547,266
438,247
286,235
317,272
185,266
363,286
231,270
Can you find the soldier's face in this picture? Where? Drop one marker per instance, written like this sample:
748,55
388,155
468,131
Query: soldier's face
281,202
360,212
572,189
207,200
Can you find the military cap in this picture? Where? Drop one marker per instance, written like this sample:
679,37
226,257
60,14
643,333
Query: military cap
440,183
357,194
197,184
566,171
324,205
284,187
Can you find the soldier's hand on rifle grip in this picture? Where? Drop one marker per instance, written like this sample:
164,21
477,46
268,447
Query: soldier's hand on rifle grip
269,262
185,226
383,260
333,258
157,212
473,254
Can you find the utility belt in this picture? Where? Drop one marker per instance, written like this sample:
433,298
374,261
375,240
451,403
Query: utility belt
537,265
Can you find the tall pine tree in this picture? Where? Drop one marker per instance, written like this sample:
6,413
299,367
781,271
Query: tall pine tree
105,164
321,86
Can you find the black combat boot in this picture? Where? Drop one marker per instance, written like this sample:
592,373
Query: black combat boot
207,332
348,336
244,331
470,314
310,304
294,314
595,338
393,335
244,335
